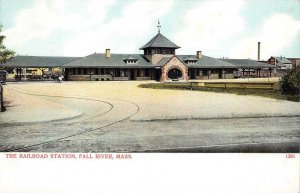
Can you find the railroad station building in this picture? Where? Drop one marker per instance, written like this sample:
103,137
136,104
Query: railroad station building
158,61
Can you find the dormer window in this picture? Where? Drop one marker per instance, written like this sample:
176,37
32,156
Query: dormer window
131,60
190,60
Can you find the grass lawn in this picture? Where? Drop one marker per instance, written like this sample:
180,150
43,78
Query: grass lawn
256,92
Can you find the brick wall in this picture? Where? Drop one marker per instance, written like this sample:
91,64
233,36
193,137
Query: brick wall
155,58
174,63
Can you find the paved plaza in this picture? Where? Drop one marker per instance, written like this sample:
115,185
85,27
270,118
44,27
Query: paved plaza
121,117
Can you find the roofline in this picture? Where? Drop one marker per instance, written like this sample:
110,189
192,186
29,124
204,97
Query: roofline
254,67
142,48
223,67
22,66
169,59
152,66
50,56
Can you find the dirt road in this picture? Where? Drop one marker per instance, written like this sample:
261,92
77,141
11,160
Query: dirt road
120,117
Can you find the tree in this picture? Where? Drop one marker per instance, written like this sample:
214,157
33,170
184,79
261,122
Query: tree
290,83
5,54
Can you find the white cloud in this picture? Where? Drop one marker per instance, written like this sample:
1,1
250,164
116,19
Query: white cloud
123,34
215,27
44,17
208,24
276,33
87,25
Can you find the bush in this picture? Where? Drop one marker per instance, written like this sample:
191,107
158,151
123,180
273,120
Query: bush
290,83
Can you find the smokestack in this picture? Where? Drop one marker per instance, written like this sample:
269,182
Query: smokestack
199,54
107,53
258,51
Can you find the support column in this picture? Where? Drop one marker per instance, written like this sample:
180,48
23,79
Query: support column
16,77
21,74
2,108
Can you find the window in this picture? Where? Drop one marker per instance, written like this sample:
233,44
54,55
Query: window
166,51
122,73
117,73
130,61
205,72
228,71
148,51
147,74
156,51
214,71
138,73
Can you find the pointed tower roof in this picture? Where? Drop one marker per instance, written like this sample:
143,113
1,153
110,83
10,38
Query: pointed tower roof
159,41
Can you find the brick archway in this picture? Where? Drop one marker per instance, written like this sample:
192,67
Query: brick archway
174,63
174,73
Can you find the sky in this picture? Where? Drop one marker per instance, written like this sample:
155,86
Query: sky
218,28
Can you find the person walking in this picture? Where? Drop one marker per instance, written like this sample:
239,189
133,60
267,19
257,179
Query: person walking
60,78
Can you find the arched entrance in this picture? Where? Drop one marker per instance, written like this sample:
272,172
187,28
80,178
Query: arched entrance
174,74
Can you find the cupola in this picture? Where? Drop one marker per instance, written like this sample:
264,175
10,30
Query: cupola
159,44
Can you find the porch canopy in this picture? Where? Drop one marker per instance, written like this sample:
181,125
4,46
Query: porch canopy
38,61
248,64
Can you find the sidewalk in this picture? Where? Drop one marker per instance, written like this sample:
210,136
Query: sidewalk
22,108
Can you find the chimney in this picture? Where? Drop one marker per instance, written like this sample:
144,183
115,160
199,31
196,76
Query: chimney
258,51
199,54
107,53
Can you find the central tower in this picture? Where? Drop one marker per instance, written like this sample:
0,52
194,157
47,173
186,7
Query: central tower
158,47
